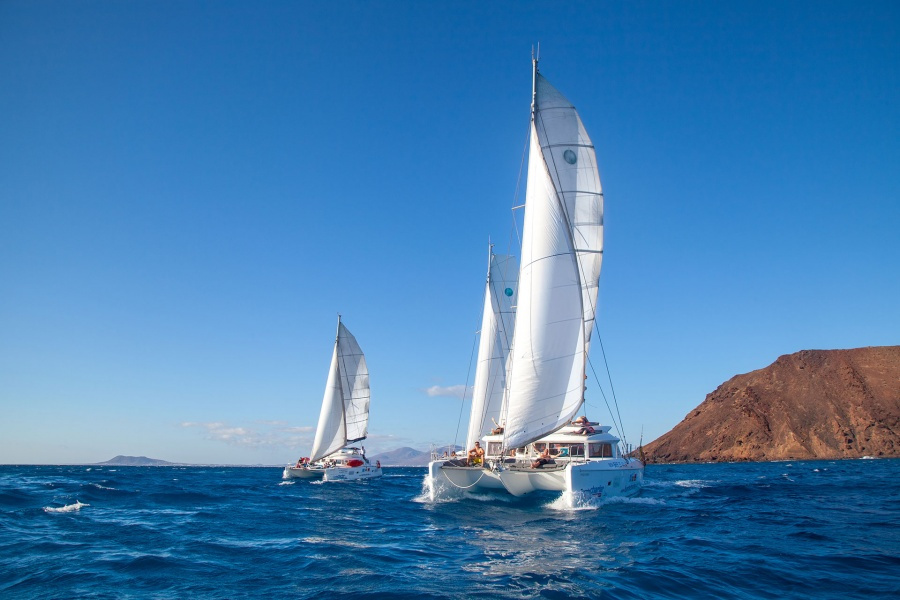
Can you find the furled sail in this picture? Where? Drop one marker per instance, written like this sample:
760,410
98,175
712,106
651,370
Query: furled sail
493,347
344,417
560,267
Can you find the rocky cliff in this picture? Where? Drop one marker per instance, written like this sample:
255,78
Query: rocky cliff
811,404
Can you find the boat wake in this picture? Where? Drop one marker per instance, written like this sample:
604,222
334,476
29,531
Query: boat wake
65,509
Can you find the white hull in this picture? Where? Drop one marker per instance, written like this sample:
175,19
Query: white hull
464,478
605,478
302,473
352,473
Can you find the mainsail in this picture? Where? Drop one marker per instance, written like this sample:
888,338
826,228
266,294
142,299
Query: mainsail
562,249
344,417
493,347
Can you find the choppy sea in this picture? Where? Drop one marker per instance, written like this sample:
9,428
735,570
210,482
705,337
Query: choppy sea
823,529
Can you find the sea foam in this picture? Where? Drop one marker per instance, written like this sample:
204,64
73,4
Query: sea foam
65,509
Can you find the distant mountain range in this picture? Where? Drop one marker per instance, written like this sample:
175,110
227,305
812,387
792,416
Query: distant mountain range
401,457
407,457
137,461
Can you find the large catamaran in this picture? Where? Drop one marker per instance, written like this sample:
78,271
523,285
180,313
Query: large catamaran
535,444
343,420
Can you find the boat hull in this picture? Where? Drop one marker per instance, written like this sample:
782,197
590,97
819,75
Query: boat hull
352,473
302,473
465,478
601,478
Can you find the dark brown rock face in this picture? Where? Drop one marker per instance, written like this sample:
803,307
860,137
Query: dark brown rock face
811,404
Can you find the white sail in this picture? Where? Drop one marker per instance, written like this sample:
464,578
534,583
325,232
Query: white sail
344,417
355,386
560,267
330,432
493,347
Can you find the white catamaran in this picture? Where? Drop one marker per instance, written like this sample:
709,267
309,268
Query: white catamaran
344,419
537,445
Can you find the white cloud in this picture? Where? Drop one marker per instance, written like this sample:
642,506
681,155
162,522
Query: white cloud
271,434
451,391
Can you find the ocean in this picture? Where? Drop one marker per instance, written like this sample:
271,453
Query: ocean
813,529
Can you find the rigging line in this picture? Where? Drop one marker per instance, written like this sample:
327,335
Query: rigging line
514,227
467,486
609,377
618,426
462,404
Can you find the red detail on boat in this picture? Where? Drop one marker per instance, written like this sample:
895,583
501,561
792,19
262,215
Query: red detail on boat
354,462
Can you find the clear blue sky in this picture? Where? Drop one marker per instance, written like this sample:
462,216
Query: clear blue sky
191,191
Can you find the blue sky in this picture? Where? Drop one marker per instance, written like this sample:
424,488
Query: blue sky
191,191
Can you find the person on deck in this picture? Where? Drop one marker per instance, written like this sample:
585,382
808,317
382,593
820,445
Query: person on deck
586,428
476,455
543,459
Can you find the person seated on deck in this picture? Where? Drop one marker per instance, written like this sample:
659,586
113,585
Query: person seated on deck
476,455
498,429
543,459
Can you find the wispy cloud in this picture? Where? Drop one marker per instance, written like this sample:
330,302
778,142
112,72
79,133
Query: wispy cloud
448,391
273,434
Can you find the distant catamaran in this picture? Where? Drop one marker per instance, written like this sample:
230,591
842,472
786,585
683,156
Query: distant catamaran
343,420
541,373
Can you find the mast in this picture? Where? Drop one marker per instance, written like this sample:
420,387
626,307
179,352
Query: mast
342,371
493,346
534,72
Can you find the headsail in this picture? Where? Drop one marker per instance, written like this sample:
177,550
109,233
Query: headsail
493,347
561,255
344,417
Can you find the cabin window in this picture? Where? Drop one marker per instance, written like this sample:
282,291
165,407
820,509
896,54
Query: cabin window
493,448
561,450
577,450
600,450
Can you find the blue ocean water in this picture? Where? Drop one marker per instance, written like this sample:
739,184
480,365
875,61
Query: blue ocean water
823,529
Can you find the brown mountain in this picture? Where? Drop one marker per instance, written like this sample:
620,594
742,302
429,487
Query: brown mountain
811,404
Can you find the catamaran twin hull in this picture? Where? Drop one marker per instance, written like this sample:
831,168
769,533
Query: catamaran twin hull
332,473
587,463
602,479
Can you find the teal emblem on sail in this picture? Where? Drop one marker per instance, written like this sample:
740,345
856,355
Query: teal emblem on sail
508,291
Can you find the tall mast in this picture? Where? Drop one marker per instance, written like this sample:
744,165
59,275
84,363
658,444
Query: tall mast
341,372
534,72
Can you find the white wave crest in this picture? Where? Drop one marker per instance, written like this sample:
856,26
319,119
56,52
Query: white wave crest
645,501
286,483
573,501
693,483
65,509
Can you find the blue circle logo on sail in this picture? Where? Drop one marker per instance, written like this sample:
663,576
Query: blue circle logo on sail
570,157
508,291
